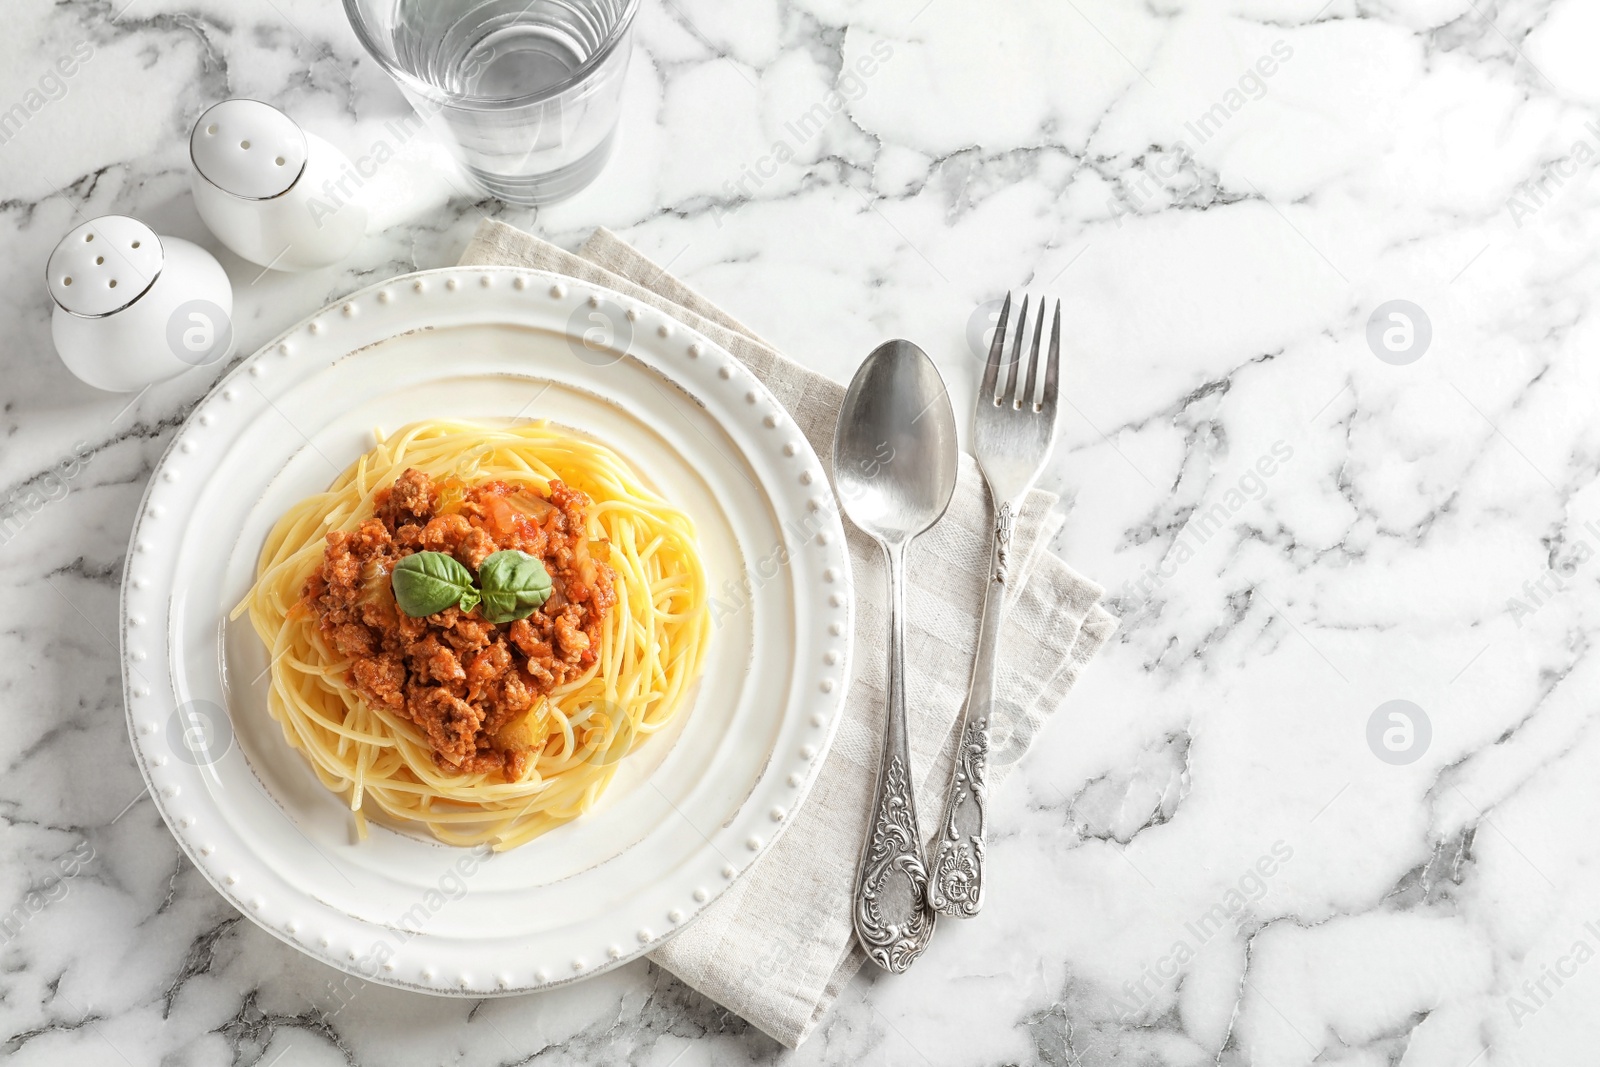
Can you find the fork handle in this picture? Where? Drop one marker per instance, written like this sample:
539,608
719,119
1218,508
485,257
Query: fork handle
955,881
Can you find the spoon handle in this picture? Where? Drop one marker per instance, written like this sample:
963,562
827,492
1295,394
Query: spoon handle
892,917
955,885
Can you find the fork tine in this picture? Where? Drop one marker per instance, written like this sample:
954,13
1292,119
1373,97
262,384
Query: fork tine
1016,353
991,369
1052,371
1026,399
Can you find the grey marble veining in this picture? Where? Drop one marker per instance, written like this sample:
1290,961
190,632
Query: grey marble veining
1214,854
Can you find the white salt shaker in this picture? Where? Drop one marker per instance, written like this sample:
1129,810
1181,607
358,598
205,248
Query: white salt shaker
133,308
270,191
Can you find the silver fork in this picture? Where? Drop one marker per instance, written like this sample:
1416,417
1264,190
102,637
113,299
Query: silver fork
1012,435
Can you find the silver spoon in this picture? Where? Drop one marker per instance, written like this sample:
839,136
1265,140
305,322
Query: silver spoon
894,463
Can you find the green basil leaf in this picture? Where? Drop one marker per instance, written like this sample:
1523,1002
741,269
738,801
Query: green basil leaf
514,585
426,583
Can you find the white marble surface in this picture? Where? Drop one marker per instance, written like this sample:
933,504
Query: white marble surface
1217,290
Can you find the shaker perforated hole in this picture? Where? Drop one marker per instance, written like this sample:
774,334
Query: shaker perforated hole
99,260
136,244
88,237
211,129
245,145
66,281
279,161
112,283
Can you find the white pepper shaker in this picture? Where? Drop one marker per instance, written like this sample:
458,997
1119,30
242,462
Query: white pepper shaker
134,308
270,191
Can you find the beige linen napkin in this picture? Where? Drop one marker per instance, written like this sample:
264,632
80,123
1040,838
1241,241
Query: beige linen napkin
778,947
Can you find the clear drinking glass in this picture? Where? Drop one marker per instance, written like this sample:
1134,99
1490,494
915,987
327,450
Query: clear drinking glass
526,91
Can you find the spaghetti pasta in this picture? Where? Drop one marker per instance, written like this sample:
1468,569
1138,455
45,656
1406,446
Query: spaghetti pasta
650,649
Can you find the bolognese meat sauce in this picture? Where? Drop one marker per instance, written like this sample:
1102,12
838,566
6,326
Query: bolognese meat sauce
468,684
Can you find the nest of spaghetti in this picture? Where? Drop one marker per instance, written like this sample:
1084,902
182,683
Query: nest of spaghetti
481,727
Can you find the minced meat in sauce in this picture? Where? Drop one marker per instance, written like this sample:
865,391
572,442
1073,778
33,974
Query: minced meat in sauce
468,684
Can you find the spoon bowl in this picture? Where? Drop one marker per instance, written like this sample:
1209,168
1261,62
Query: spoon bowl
894,456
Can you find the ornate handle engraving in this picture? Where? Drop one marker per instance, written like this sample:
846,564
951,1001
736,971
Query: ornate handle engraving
956,884
1002,541
890,916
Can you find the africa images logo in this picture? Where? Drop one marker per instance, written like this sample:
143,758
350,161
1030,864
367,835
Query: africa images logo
1227,914
1399,332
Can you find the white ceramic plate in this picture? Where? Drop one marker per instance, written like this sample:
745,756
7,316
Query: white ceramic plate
687,812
